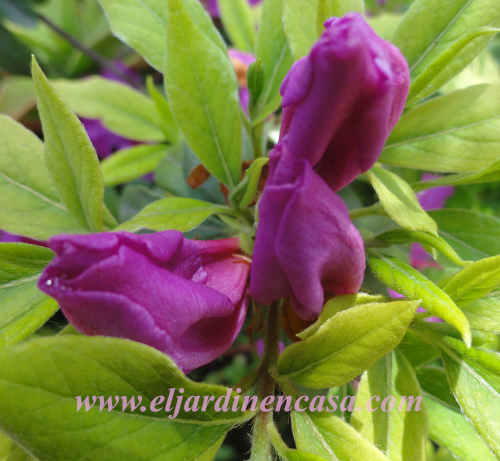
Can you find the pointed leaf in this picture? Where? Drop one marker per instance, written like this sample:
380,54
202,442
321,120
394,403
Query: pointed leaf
474,281
134,162
336,305
175,213
246,191
458,132
70,156
237,17
120,108
408,281
430,26
401,236
43,377
275,58
203,94
346,345
400,202
138,26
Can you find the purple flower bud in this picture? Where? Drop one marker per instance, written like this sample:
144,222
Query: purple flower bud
184,297
241,61
306,244
341,102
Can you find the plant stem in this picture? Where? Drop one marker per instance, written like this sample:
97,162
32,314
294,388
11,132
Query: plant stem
103,62
261,445
256,132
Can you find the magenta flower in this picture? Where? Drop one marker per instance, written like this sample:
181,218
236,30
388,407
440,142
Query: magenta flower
212,6
241,61
341,102
306,244
184,297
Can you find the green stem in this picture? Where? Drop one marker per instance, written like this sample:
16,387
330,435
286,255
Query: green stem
256,133
261,444
367,211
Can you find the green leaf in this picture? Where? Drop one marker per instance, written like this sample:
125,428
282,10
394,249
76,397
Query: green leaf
490,173
10,451
304,21
434,383
246,191
168,123
346,345
408,281
275,58
43,377
175,213
329,8
203,94
474,281
336,305
26,188
301,24
484,314
138,26
330,437
417,351
385,24
401,236
443,69
17,96
286,453
237,18
400,202
474,377
473,235
458,132
450,429
134,162
433,35
120,108
24,309
70,156
400,433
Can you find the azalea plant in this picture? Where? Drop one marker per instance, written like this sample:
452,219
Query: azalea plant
276,185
